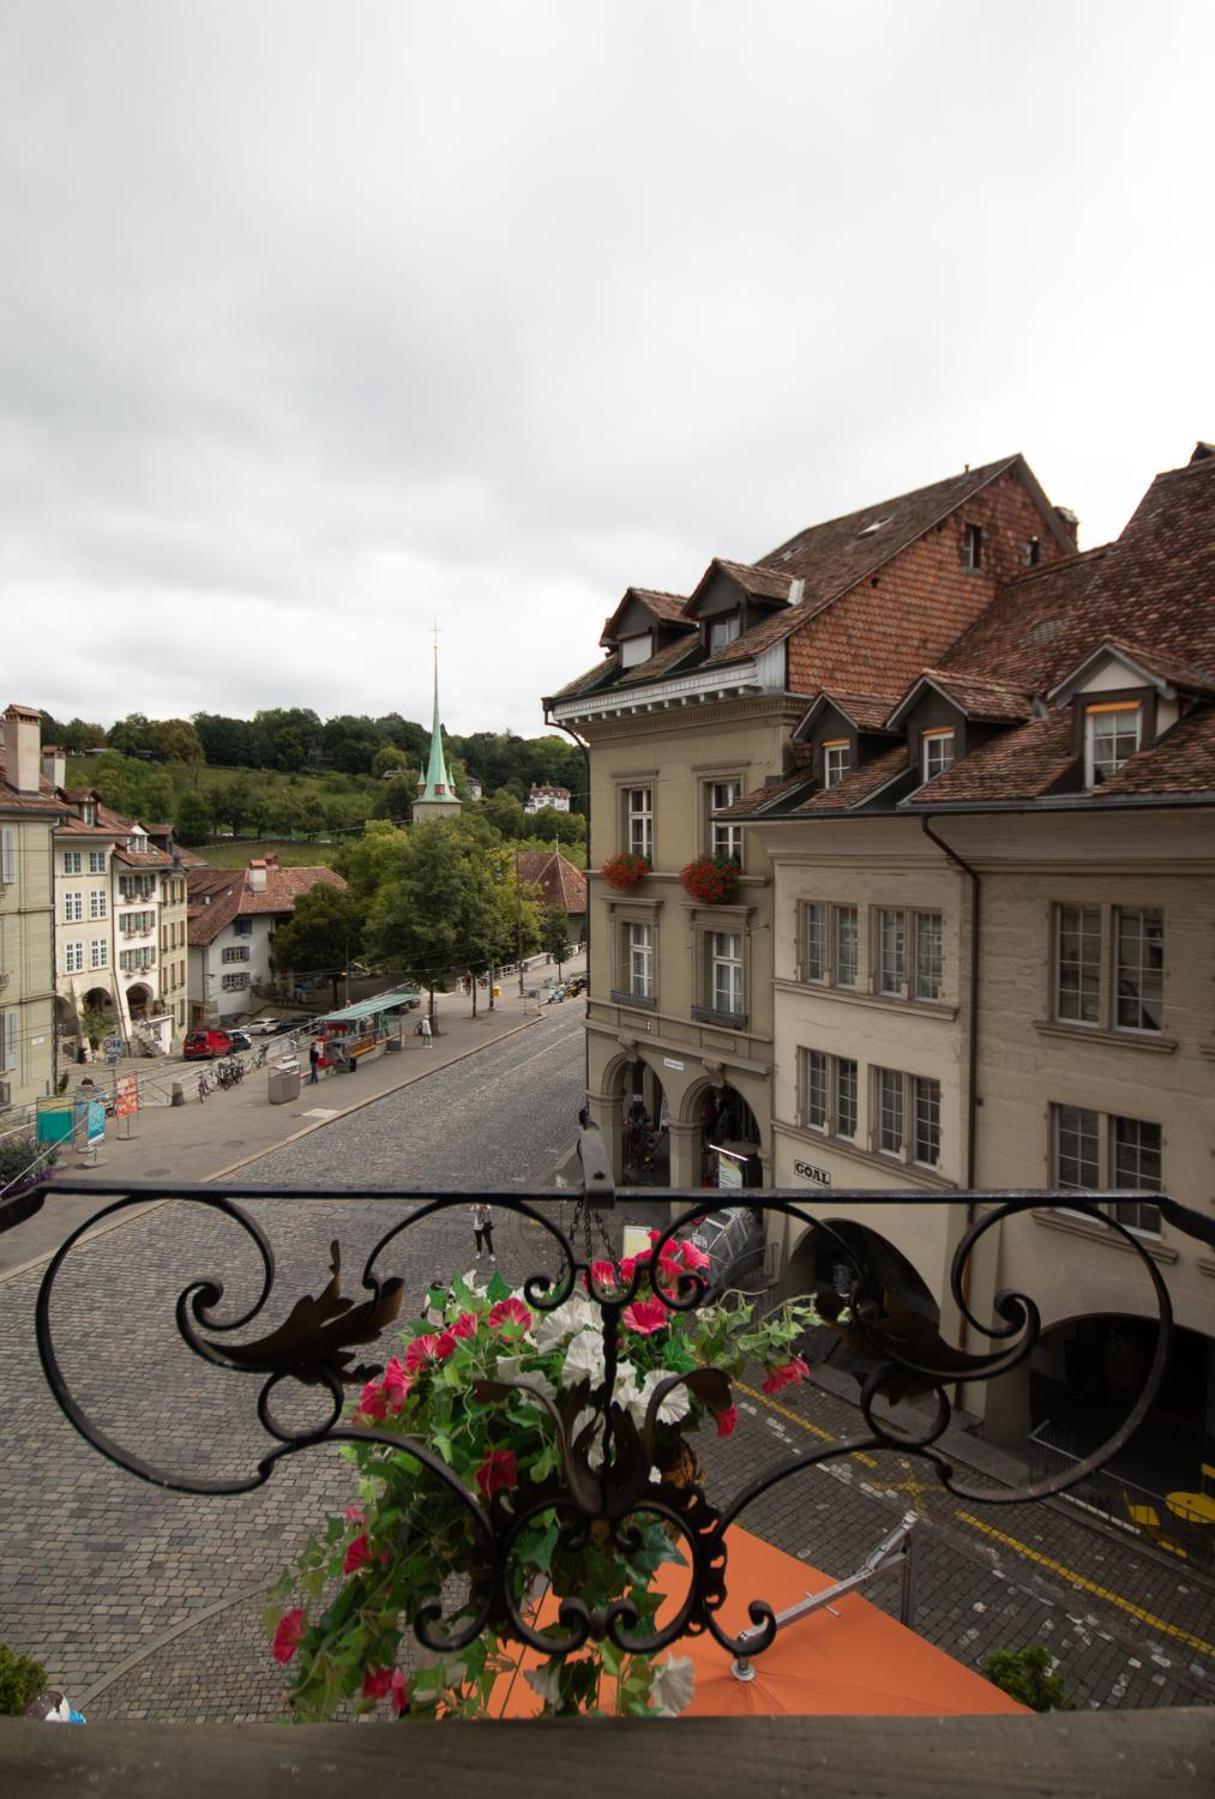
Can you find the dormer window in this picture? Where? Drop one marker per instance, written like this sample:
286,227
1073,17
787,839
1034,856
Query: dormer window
1113,733
837,760
1033,552
88,812
937,749
636,650
723,631
972,549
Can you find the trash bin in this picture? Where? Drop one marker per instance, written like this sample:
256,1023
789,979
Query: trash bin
497,993
283,1083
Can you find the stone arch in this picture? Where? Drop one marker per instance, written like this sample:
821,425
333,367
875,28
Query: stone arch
821,1258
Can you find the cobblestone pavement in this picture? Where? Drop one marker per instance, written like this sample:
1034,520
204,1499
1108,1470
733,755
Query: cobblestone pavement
146,1603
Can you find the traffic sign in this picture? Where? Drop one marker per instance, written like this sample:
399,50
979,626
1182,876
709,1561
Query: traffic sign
112,1046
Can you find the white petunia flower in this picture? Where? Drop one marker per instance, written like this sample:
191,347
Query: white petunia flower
510,1368
553,1327
672,1684
675,1406
583,1360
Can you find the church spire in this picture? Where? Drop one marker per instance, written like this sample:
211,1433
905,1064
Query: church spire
436,793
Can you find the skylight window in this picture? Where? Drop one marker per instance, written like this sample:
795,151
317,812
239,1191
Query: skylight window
870,530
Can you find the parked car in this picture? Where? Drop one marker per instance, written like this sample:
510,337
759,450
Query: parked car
734,1243
204,1045
240,1040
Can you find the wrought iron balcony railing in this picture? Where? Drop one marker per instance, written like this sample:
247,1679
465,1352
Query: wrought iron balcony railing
604,1471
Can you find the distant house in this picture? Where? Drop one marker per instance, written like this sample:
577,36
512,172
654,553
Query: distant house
233,916
546,797
558,883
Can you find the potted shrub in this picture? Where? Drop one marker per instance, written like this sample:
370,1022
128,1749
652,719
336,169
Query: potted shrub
711,879
624,871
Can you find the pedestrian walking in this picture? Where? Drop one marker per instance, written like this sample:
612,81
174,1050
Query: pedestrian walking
424,1027
483,1230
314,1063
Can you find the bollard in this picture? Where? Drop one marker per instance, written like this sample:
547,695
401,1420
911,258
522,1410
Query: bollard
178,1098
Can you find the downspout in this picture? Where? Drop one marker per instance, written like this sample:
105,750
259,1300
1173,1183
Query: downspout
586,763
972,1052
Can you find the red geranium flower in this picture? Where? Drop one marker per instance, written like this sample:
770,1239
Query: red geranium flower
377,1683
354,1514
727,1419
499,1469
509,1311
693,1256
399,1690
287,1636
358,1555
428,1349
787,1374
645,1316
373,1401
396,1384
465,1325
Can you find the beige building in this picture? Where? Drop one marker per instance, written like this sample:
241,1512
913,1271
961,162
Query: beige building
28,814
693,707
995,968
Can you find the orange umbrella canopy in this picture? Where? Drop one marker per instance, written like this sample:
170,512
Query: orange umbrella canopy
853,1659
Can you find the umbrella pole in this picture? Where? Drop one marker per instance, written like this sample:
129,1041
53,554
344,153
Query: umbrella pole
893,1551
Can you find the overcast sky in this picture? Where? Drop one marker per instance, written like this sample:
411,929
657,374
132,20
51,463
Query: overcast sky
318,320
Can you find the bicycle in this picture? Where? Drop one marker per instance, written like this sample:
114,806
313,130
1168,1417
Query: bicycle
205,1086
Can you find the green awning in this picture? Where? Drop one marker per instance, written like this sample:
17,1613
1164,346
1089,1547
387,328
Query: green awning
367,1008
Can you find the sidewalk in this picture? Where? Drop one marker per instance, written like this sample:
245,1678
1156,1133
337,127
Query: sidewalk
206,1141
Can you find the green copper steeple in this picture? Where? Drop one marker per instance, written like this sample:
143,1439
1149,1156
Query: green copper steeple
436,793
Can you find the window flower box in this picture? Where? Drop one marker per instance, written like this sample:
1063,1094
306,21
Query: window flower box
711,880
624,871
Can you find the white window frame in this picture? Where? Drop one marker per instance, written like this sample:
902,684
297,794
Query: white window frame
73,908
98,903
840,928
925,927
838,1080
1109,1161
890,974
1145,975
1096,998
73,861
99,953
938,749
73,958
906,1117
8,855
726,985
1100,766
724,630
837,760
972,548
637,808
725,836
10,1042
97,861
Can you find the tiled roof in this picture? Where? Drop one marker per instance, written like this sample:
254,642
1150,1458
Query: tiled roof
1182,761
559,882
834,556
218,895
860,785
1155,587
759,582
1162,668
772,793
867,711
144,858
1021,764
990,702
666,608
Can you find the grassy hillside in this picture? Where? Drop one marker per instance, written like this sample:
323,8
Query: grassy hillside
232,854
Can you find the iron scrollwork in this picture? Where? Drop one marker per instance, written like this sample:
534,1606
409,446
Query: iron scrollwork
317,1344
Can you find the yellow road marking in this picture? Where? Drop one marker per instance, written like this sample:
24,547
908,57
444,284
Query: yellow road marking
1087,1586
999,1536
814,1430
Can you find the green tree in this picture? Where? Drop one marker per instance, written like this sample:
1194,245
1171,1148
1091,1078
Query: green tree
374,859
176,740
324,932
555,934
505,813
446,905
388,757
235,802
131,734
292,735
1027,1674
396,800
79,735
194,822
230,742
312,815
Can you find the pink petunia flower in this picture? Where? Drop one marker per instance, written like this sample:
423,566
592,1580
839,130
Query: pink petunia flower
373,1401
358,1555
693,1256
354,1514
604,1275
645,1316
396,1384
787,1374
287,1636
464,1326
399,1691
424,1350
499,1469
377,1683
509,1311
727,1419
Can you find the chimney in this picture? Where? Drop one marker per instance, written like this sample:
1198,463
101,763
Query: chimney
22,740
54,763
797,590
256,876
1070,523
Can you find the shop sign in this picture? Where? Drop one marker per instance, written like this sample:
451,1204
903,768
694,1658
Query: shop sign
806,1171
670,1062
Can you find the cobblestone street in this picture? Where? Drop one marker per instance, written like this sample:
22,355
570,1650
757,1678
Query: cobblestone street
146,1603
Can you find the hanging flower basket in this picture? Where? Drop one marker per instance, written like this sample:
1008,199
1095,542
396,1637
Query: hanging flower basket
711,880
507,1403
624,871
